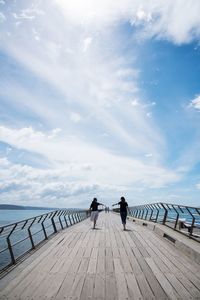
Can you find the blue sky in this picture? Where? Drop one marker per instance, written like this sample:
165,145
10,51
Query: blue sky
99,98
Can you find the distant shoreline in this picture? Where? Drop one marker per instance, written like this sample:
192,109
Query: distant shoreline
21,207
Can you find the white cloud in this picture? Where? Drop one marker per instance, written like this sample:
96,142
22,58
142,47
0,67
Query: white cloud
195,103
75,117
198,186
74,154
86,43
159,18
148,155
149,115
135,102
2,17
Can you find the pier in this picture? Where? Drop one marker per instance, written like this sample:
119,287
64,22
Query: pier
107,263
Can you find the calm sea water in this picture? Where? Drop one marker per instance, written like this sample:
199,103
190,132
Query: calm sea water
12,216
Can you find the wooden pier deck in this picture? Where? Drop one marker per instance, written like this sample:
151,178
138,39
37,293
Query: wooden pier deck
106,263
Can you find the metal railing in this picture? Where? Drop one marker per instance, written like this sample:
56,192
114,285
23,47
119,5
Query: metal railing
185,219
19,238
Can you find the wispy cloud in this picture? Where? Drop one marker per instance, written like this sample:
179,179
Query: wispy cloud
195,103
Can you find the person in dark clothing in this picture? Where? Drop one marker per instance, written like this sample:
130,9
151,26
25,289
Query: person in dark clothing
123,211
94,211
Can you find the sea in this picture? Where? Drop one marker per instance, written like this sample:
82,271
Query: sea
13,216
9,216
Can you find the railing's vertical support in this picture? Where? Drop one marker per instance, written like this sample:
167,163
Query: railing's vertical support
143,211
30,235
65,219
73,218
165,214
177,216
157,214
53,222
151,212
76,217
59,217
147,211
69,217
190,229
81,216
43,227
10,245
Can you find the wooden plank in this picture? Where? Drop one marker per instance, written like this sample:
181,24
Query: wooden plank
83,265
180,289
111,288
76,261
122,289
65,288
76,289
133,262
101,261
54,284
125,261
169,290
195,293
99,287
154,284
88,251
30,289
109,261
118,266
93,261
88,288
133,288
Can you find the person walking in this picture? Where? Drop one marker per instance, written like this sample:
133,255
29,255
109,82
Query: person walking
94,211
123,211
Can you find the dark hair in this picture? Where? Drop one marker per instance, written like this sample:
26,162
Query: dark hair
95,199
123,199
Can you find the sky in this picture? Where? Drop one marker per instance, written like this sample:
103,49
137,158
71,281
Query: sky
99,99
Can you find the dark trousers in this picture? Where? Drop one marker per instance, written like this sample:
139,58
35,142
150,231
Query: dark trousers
123,215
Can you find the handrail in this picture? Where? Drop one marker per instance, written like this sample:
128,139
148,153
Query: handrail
182,218
18,238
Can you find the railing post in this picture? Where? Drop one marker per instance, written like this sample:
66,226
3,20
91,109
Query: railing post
65,219
73,218
76,218
155,205
143,210
30,235
151,212
53,222
165,214
10,245
43,227
193,220
70,221
59,217
177,216
146,212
